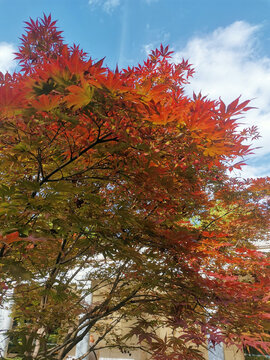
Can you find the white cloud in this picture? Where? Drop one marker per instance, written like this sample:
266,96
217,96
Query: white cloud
6,57
252,171
148,48
227,65
107,5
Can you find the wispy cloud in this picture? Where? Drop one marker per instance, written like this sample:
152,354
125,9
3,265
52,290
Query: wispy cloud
123,36
227,65
110,5
107,5
6,57
151,1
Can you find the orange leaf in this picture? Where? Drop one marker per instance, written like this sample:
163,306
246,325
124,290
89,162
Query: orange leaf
12,237
46,102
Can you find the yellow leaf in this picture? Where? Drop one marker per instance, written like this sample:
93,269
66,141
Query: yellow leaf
79,96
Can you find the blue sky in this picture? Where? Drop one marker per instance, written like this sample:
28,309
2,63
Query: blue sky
228,41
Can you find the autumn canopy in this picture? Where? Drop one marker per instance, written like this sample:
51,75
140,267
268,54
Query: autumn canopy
120,176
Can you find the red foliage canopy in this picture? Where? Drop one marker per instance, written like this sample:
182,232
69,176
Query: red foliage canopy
123,165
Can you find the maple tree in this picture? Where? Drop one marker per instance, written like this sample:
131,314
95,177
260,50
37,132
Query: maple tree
116,182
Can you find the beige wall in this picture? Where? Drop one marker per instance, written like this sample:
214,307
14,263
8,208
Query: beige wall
230,353
233,353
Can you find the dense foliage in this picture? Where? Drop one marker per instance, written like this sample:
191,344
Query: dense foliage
116,183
